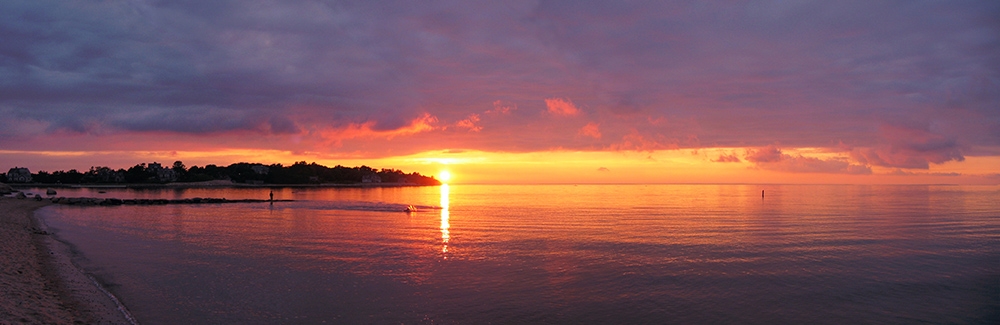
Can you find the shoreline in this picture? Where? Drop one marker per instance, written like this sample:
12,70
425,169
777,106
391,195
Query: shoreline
41,284
211,184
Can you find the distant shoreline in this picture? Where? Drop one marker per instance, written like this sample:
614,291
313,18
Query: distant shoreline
210,184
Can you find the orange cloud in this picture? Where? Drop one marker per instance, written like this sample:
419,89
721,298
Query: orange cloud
591,129
559,106
636,141
502,108
420,124
470,123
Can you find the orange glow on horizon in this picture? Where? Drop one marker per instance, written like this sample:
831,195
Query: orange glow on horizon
672,166
707,165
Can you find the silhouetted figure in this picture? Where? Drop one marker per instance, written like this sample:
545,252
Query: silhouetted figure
762,194
272,196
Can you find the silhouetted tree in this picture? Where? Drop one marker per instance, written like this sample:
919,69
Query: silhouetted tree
298,173
43,177
138,174
179,168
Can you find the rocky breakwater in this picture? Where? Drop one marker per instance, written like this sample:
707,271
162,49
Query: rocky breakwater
88,201
5,189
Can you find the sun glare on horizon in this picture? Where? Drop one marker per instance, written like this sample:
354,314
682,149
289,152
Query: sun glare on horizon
444,176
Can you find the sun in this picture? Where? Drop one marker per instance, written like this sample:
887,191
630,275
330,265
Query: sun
444,176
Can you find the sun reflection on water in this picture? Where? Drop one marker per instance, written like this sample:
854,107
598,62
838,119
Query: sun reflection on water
445,235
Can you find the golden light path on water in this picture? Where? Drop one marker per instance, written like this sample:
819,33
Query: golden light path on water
444,220
818,254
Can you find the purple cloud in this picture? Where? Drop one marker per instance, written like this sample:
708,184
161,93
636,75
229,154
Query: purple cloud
908,147
728,158
771,158
653,75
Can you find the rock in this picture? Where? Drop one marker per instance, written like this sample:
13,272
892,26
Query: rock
5,189
50,192
90,201
20,195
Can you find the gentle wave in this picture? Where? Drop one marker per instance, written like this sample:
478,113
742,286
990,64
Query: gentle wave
557,254
354,206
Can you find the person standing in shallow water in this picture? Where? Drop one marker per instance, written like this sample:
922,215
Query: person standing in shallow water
272,196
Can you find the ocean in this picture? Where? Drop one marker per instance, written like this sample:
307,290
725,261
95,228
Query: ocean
621,254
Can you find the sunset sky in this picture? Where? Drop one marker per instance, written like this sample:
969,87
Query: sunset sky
511,91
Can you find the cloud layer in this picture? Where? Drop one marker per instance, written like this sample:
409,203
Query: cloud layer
771,158
895,84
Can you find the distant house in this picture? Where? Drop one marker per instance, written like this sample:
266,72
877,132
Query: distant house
162,174
260,169
19,175
371,178
108,175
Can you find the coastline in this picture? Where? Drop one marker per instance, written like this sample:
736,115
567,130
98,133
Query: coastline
212,184
41,285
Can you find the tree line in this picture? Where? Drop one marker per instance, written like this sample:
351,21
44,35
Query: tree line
254,173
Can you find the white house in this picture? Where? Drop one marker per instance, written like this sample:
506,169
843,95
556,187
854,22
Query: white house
371,178
260,169
162,174
19,175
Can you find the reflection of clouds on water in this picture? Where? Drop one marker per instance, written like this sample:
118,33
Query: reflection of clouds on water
445,234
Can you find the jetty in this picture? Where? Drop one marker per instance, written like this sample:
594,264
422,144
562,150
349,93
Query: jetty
89,201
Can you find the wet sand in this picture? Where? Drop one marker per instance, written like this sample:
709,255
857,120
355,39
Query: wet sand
40,285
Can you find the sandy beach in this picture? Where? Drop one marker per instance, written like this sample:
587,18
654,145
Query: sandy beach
40,285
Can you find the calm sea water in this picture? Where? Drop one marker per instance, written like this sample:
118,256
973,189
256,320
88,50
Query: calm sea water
549,254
